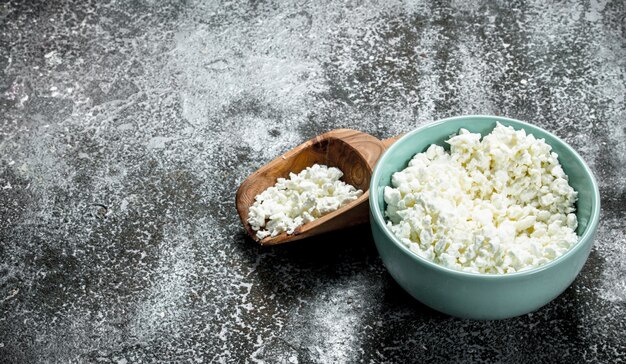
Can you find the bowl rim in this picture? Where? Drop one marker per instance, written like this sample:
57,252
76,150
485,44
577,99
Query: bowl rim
380,220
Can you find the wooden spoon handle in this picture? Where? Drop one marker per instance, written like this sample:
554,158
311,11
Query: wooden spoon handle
387,142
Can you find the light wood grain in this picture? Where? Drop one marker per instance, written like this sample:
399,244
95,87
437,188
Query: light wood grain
387,142
354,152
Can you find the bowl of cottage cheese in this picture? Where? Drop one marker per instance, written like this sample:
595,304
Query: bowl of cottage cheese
483,217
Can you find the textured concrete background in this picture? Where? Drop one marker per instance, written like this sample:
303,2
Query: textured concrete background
126,127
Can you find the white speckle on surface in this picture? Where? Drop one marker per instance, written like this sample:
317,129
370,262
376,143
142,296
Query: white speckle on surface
124,205
158,142
611,243
53,59
328,323
595,10
126,126
12,294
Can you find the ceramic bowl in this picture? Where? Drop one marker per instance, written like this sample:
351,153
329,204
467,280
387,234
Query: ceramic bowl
472,295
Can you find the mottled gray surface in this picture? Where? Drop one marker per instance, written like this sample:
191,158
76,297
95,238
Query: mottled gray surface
126,127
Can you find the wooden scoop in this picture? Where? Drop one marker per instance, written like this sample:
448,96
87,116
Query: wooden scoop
353,152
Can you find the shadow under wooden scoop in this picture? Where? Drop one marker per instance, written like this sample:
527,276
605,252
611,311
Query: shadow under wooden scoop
353,152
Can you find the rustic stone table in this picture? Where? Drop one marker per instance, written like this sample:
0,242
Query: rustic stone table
126,127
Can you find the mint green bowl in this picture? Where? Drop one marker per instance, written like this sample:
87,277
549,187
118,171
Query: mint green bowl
472,295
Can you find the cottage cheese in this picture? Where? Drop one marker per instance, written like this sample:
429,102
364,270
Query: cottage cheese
300,199
497,205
